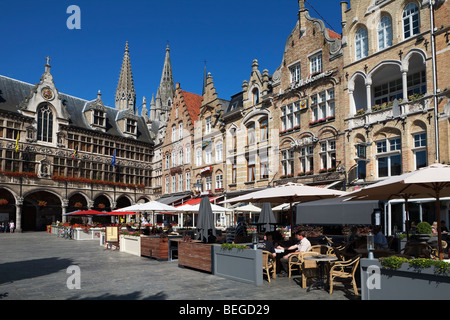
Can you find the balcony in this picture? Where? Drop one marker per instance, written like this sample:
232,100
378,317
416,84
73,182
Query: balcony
392,110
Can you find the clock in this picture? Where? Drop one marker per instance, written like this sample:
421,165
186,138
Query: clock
47,93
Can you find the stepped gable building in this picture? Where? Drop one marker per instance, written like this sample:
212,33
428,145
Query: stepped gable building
56,151
251,135
160,108
393,114
177,170
209,167
308,107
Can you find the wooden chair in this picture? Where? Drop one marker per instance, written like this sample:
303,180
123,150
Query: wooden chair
319,249
344,270
269,264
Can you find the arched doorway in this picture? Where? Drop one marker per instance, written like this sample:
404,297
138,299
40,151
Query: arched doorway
7,207
40,209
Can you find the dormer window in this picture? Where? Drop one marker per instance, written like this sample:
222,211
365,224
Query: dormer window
99,118
255,93
130,126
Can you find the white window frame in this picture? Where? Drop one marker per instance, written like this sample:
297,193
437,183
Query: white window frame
295,72
316,63
409,15
188,181
219,152
208,125
388,148
361,43
384,33
420,146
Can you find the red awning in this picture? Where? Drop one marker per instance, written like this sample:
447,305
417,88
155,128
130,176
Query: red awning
197,201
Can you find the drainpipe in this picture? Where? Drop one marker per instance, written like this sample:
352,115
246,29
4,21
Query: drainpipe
433,53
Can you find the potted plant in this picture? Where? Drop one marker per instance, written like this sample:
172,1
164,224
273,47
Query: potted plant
3,202
423,231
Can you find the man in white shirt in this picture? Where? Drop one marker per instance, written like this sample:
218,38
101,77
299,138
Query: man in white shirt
303,245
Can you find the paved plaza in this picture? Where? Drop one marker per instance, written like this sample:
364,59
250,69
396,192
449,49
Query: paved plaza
34,266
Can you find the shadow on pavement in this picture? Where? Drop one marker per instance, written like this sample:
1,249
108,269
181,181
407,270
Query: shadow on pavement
14,271
130,296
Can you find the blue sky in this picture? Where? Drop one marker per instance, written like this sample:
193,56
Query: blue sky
227,34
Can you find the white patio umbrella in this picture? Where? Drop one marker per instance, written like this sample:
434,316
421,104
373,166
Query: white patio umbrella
151,206
429,182
248,208
290,192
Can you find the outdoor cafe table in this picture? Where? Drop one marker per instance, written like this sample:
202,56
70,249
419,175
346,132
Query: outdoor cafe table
321,260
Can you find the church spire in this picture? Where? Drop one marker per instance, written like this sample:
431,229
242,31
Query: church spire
166,90
125,93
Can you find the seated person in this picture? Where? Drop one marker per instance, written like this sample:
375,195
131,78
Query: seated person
267,243
303,245
380,240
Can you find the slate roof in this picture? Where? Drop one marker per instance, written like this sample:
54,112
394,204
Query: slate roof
13,92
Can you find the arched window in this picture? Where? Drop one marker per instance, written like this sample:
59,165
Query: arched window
361,43
410,20
255,96
45,124
384,31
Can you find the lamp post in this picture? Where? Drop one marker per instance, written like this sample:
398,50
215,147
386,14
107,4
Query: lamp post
370,245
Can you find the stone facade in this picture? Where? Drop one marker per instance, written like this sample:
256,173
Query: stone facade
388,84
60,153
178,144
309,108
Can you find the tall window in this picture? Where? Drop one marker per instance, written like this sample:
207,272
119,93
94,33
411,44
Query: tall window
410,20
208,183
180,182
167,160
45,124
251,168
198,157
208,154
180,157
420,150
188,154
361,43
361,161
174,133
174,184
255,94
307,159
180,130
167,184
389,158
264,127
290,116
264,166
208,125
287,162
316,63
384,31
323,105
188,180
234,170
251,134
219,181
219,152
328,154
295,73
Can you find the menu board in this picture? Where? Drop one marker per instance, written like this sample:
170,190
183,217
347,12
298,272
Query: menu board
112,234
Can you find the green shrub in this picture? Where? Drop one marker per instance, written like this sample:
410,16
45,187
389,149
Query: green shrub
423,228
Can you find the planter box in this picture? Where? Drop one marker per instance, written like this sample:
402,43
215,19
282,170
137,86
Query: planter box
55,229
92,234
244,265
130,244
155,247
405,283
195,254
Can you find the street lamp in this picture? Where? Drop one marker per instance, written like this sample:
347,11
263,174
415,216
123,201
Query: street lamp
370,245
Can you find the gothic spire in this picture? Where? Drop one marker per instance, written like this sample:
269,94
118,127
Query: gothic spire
166,90
125,93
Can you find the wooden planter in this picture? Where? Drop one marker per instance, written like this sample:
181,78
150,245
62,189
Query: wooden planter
195,254
155,247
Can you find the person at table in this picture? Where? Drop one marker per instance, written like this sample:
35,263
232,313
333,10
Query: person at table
303,245
379,239
267,243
